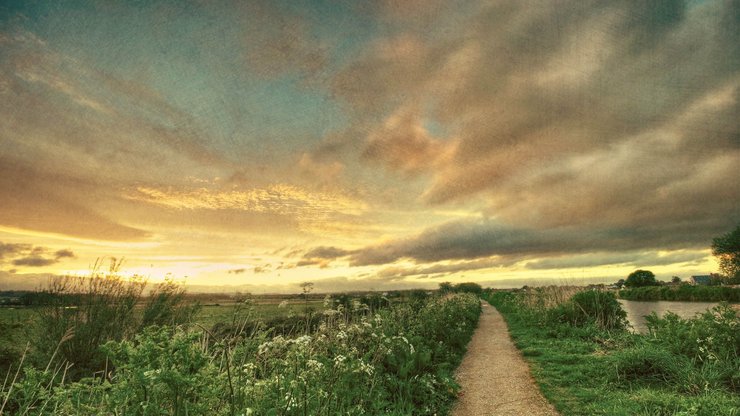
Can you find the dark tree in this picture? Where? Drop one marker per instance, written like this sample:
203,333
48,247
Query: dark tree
640,278
469,287
727,250
446,287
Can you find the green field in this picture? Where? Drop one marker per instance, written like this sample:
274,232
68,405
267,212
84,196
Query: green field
17,324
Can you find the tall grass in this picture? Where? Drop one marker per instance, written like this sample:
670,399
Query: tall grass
88,311
683,292
564,304
398,360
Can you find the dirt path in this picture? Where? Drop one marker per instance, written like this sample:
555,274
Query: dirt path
494,377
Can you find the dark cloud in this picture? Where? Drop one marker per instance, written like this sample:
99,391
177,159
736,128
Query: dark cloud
237,271
324,252
65,253
11,249
31,256
265,268
322,263
398,272
462,240
34,261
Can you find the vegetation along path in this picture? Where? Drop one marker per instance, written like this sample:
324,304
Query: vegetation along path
494,377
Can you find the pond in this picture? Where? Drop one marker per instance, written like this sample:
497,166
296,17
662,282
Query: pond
636,310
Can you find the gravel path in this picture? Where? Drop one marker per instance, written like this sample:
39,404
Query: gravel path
494,377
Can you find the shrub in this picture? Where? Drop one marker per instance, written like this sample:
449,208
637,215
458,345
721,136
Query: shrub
591,307
711,341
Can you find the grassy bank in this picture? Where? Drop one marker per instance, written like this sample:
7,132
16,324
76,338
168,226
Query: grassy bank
683,292
587,364
397,360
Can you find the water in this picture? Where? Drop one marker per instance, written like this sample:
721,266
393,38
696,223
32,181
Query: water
636,310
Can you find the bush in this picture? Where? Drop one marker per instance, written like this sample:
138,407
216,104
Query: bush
591,307
711,341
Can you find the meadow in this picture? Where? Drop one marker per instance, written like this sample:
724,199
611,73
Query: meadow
89,353
587,363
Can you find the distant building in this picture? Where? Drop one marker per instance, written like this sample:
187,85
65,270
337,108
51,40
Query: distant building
702,280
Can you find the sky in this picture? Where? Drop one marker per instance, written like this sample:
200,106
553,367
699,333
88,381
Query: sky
367,145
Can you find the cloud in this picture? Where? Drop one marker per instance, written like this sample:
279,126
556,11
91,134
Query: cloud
237,271
403,144
281,204
324,252
637,259
75,131
34,261
56,203
578,114
399,272
31,256
64,253
477,239
324,173
322,263
12,249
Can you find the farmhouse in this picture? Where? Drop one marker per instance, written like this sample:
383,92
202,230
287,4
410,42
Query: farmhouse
701,280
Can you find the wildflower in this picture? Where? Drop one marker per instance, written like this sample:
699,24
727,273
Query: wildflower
314,365
283,304
366,368
303,340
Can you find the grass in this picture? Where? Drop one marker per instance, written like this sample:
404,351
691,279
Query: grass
19,325
397,360
584,369
684,292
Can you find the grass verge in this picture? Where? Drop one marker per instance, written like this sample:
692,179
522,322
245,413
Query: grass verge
683,367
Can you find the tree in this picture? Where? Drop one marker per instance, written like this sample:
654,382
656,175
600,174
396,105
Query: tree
727,250
675,279
640,278
446,287
469,287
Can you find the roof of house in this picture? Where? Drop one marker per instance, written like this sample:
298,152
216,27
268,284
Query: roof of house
705,278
